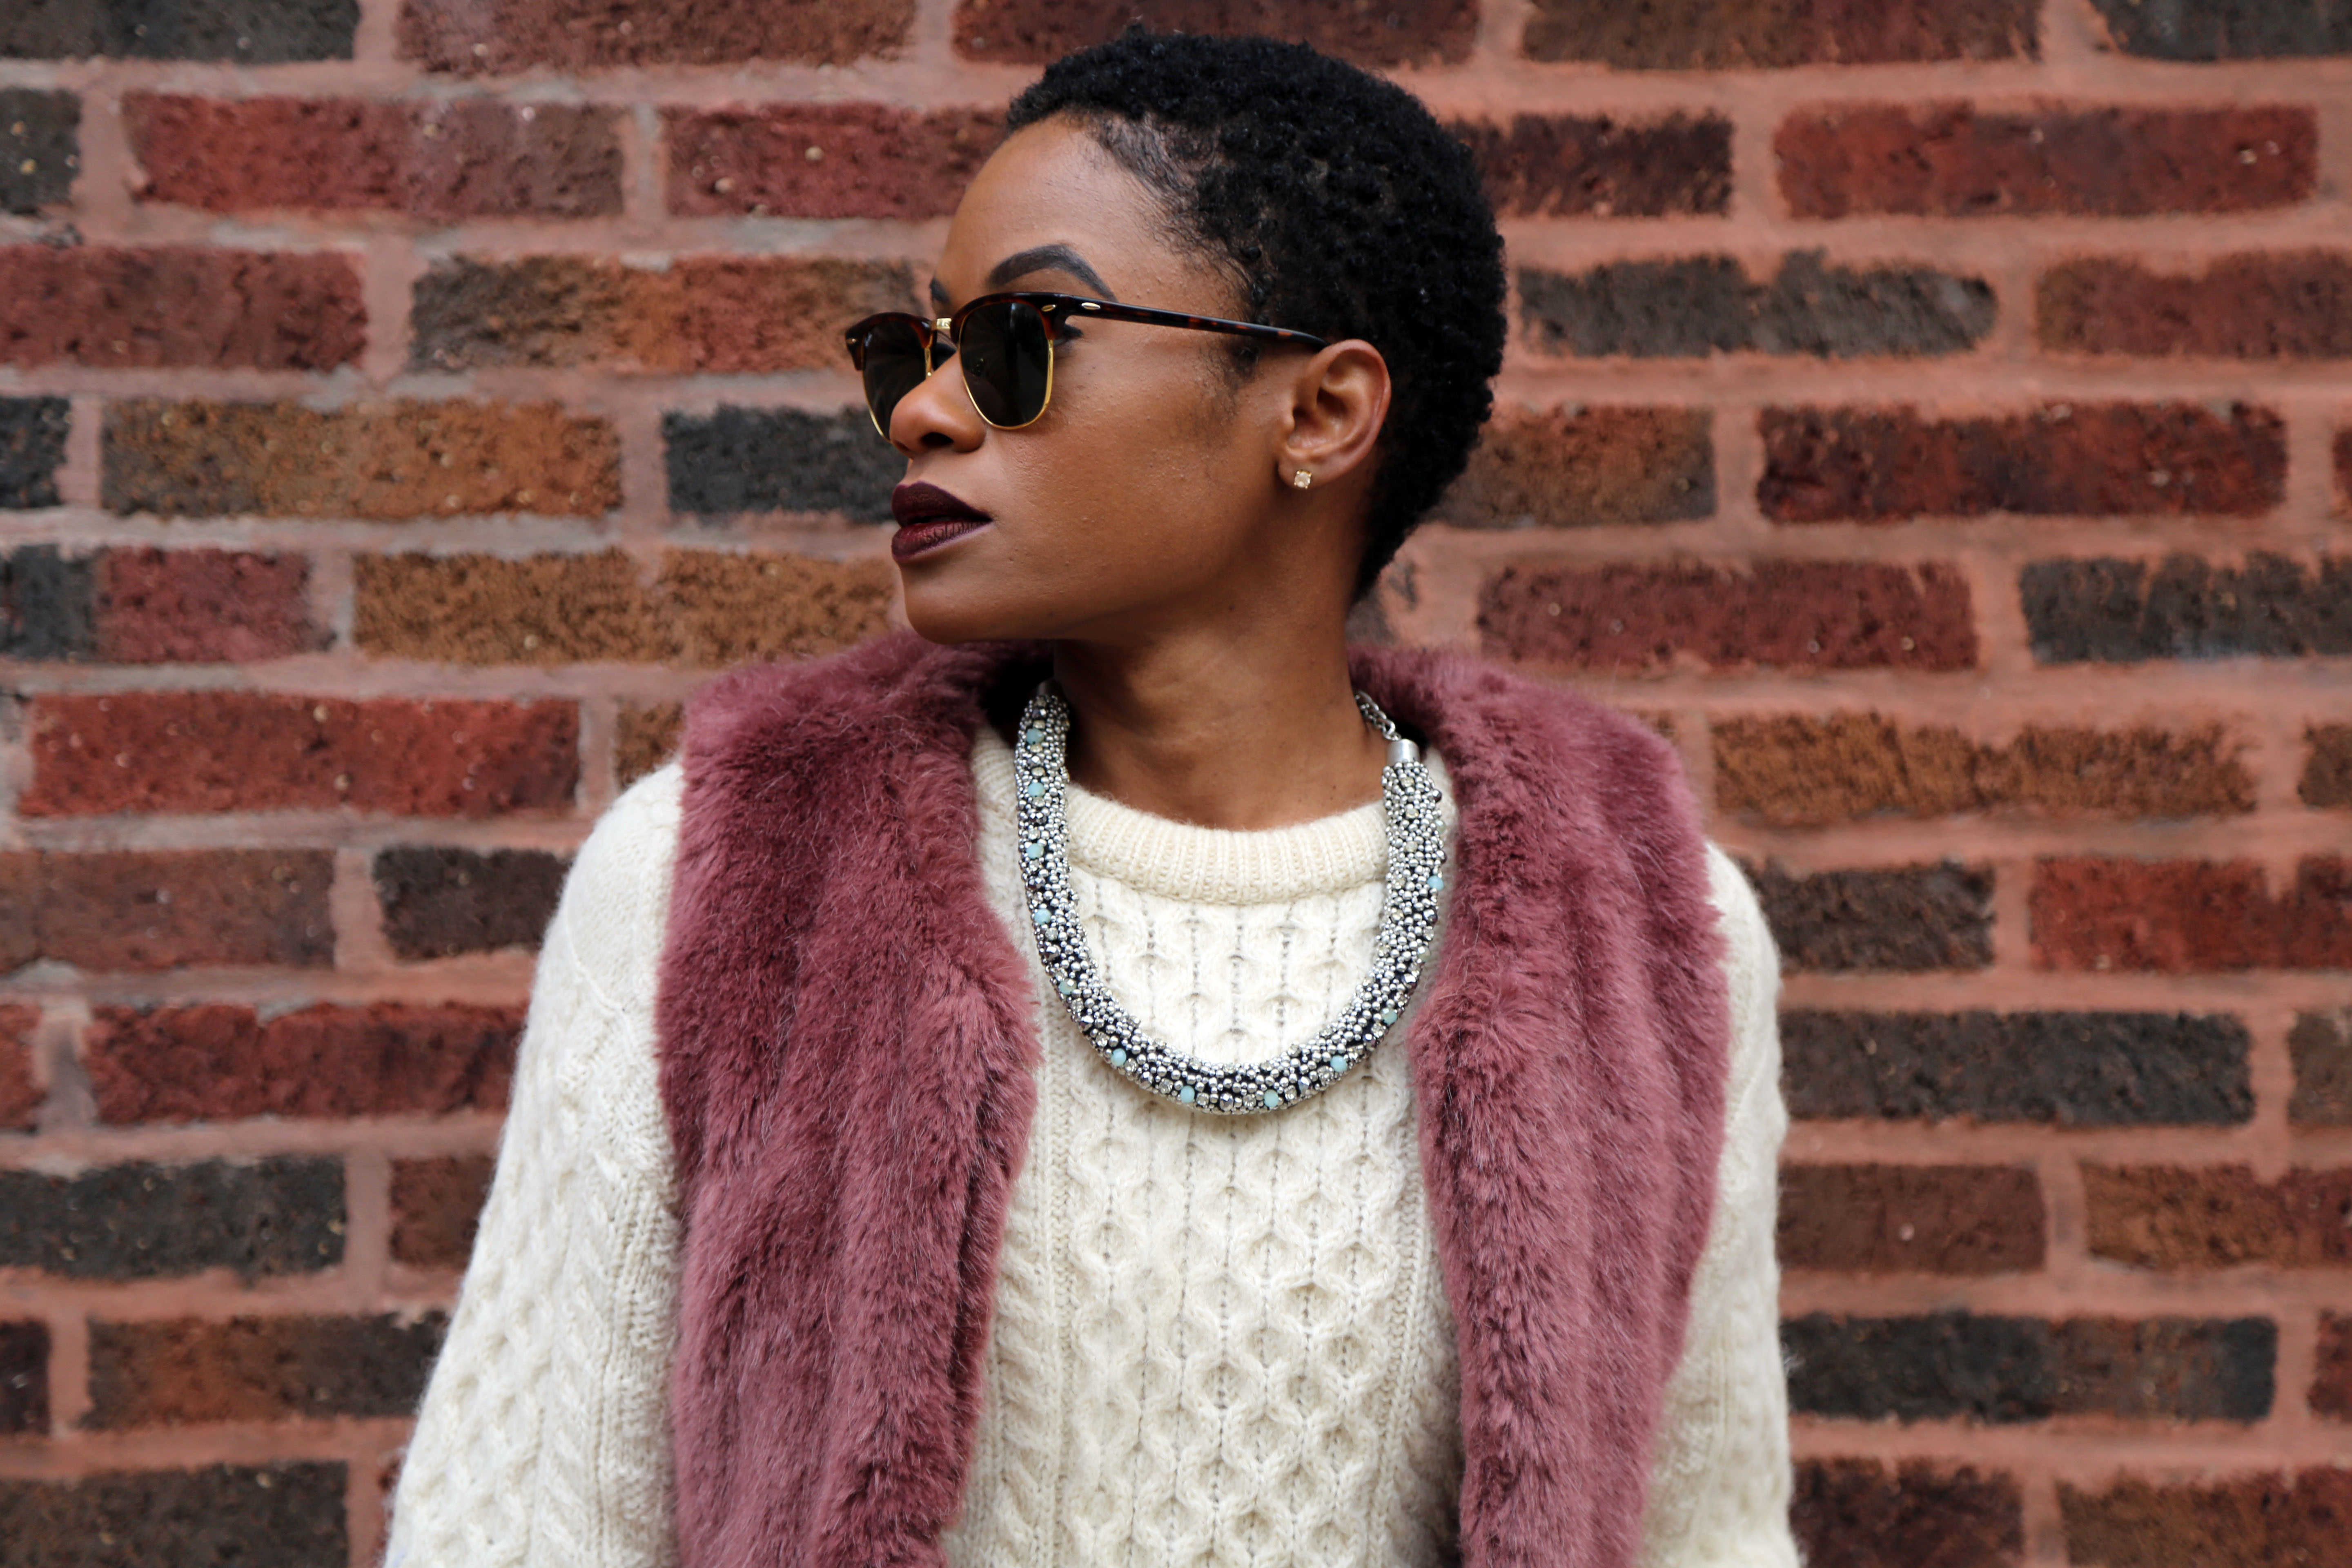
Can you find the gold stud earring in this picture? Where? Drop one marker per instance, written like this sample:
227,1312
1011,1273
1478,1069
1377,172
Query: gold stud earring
1300,478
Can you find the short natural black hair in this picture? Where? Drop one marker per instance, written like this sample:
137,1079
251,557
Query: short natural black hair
1339,205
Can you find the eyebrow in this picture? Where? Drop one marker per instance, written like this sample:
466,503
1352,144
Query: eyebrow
1036,258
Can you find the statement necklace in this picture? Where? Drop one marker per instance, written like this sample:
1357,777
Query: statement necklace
1410,806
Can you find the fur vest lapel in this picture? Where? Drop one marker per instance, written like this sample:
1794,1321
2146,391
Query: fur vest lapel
848,1040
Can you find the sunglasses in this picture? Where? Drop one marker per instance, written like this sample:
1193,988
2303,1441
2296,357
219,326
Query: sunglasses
1004,345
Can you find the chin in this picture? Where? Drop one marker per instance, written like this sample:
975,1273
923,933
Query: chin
942,612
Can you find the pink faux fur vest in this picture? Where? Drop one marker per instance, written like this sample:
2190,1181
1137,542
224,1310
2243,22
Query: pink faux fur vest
847,1038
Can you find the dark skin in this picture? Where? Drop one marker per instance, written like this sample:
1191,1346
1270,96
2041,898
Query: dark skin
1146,526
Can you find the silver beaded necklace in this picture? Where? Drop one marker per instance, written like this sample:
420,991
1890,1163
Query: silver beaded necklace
1410,806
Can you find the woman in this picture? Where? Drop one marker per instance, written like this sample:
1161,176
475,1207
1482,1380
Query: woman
1114,1077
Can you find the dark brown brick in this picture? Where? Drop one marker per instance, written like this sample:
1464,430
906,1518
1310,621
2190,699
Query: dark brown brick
439,902
202,607
870,160
2261,1521
269,1218
737,460
2343,471
1805,614
1857,1513
163,752
2190,916
702,315
24,1379
2327,766
40,148
47,603
2070,1069
1716,35
1949,159
21,1091
1708,304
2121,612
1879,464
221,1062
1932,1219
1889,918
275,1516
1998,1370
2331,1382
1801,771
2218,1216
31,450
2226,29
441,160
1579,466
247,32
436,1206
143,909
2321,1046
564,36
647,738
400,459
118,308
1589,165
2292,305
179,1372
1391,33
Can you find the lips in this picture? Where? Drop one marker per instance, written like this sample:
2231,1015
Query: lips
928,518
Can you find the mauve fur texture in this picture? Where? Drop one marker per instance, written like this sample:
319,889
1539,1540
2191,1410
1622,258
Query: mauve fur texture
847,1045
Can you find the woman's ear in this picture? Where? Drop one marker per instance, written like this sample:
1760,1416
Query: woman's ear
1338,399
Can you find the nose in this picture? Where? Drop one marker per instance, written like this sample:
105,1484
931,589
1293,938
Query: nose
936,415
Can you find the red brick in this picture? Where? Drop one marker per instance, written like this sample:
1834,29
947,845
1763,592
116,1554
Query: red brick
276,1515
501,35
145,909
1949,159
2292,305
1571,468
1714,35
1579,165
249,750
1935,1219
2259,1521
21,1092
221,1062
436,1205
1394,33
2344,472
203,606
826,160
440,160
180,1372
2320,1046
2190,916
2217,1216
1807,615
1879,464
647,736
2331,1384
2326,780
1801,771
731,606
1856,1513
119,309
384,461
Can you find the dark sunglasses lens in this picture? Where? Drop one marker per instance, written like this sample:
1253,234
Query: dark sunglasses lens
893,365
1008,362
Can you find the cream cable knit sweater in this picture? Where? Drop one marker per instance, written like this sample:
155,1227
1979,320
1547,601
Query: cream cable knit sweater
1217,1341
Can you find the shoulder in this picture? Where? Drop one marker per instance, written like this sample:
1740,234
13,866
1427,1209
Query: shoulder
615,900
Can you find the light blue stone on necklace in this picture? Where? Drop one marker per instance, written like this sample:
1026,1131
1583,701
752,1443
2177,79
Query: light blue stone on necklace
1436,882
1034,789
1118,1055
1185,1094
1032,851
1040,916
1340,1064
1388,1015
1271,1099
1034,735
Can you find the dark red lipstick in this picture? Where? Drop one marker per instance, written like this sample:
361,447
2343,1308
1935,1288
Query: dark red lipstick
928,518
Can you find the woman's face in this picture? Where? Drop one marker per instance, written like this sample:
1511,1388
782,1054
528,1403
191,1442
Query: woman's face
1148,490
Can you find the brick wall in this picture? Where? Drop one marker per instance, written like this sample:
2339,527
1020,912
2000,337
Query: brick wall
1937,412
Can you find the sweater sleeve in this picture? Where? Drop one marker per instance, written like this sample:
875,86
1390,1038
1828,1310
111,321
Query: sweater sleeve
542,1438
1720,1481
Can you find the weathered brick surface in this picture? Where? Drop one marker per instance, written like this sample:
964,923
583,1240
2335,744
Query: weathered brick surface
32,445
120,308
178,1371
2327,766
1710,304
2216,1217
1859,1513
2292,306
202,607
391,460
2226,29
2120,612
1579,165
583,35
268,1218
1961,1366
831,160
647,736
440,160
219,1062
163,751
288,1515
1952,159
247,32
2320,1045
1573,467
2263,1520
2186,916
40,148
435,1205
48,607
1876,465
2331,1382
1700,34
24,1378
780,459
151,909
1804,614
732,608
440,903
2343,471
1934,1219
1895,918
1392,33
1797,770
21,1091
700,315
2071,1069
